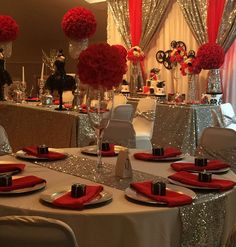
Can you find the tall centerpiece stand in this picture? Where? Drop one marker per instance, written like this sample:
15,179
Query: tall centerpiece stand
9,30
94,69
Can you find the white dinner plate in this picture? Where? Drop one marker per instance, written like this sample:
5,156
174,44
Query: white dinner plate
132,194
49,196
190,186
24,190
23,155
92,150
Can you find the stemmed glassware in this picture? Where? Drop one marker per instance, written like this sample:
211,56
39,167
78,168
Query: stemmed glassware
99,107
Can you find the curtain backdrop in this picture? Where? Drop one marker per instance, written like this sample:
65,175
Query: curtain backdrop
169,30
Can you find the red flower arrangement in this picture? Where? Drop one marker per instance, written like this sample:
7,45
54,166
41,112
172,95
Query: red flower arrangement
79,23
135,54
8,28
211,56
190,66
177,55
102,65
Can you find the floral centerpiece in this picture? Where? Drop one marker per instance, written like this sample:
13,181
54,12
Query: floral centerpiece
211,57
101,67
135,54
78,24
9,31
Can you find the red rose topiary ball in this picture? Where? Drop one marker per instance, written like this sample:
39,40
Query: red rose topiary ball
79,23
210,56
102,65
9,29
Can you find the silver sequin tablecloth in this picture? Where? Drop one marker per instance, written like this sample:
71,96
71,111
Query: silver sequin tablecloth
29,124
181,125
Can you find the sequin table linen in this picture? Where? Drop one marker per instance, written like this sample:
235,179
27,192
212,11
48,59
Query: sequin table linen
181,125
28,124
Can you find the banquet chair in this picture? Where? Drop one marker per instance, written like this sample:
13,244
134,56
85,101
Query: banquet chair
35,231
67,96
5,146
144,122
120,132
217,122
229,118
123,112
231,239
218,143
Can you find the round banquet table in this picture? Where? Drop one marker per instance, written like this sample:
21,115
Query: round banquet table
119,223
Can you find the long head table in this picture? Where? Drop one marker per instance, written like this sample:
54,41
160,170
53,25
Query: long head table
124,223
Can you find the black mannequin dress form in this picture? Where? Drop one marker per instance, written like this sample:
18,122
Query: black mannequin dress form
60,81
5,77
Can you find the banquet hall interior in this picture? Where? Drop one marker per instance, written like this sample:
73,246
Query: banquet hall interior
117,123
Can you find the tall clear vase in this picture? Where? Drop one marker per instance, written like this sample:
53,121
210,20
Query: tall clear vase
99,105
214,81
192,94
133,87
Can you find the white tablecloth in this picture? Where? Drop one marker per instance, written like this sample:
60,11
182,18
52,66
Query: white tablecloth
120,223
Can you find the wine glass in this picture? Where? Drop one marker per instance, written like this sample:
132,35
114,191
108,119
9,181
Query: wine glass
99,106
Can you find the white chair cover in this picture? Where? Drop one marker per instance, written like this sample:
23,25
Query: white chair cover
218,143
229,117
123,112
144,122
217,122
67,97
5,146
120,132
231,240
35,231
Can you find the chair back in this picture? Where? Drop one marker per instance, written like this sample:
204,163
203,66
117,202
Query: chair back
67,96
35,231
144,122
229,118
5,147
123,112
120,132
231,239
218,143
146,104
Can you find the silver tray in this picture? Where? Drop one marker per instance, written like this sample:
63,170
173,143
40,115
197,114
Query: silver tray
49,196
132,194
92,150
23,155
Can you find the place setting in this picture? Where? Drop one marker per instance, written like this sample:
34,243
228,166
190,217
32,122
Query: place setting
16,185
160,154
10,167
158,193
199,164
108,150
41,152
77,196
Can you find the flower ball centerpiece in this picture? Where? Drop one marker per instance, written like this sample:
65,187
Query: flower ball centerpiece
78,24
101,67
9,31
211,57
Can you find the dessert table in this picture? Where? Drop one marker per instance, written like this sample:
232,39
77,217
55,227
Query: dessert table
122,222
29,124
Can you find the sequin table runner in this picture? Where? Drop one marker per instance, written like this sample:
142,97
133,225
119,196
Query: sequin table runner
202,221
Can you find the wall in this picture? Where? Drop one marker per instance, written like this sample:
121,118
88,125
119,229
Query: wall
40,28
